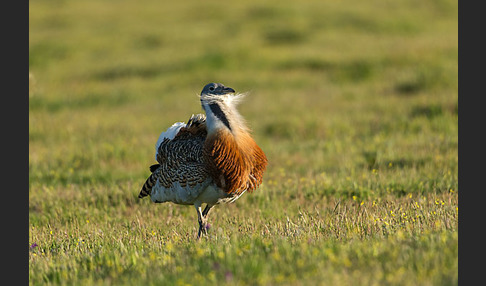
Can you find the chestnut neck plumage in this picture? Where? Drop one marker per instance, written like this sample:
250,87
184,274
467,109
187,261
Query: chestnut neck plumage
233,155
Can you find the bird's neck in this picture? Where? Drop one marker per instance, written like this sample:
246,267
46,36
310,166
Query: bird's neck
235,161
223,116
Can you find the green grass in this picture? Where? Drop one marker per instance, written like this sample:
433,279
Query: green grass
355,105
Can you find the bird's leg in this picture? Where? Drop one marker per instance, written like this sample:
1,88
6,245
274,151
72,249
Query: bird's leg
205,214
206,210
201,220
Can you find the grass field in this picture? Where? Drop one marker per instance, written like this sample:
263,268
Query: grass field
354,102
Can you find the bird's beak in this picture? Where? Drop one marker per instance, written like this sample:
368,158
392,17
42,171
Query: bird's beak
228,90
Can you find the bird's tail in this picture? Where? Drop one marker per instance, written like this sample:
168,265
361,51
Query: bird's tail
150,182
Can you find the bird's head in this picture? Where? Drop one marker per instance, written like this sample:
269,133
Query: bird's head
219,103
216,89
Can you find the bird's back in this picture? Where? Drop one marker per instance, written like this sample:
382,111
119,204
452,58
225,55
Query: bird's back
181,173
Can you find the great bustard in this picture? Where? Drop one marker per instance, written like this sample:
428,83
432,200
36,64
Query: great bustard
210,160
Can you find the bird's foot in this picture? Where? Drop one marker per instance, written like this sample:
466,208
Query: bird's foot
203,229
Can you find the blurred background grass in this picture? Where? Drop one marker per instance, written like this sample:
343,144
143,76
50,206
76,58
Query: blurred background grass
335,77
350,100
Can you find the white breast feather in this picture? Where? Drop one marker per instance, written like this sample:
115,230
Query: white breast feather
170,134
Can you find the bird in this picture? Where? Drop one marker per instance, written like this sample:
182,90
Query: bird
211,159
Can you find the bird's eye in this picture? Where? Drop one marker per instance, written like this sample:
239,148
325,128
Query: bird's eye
211,88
